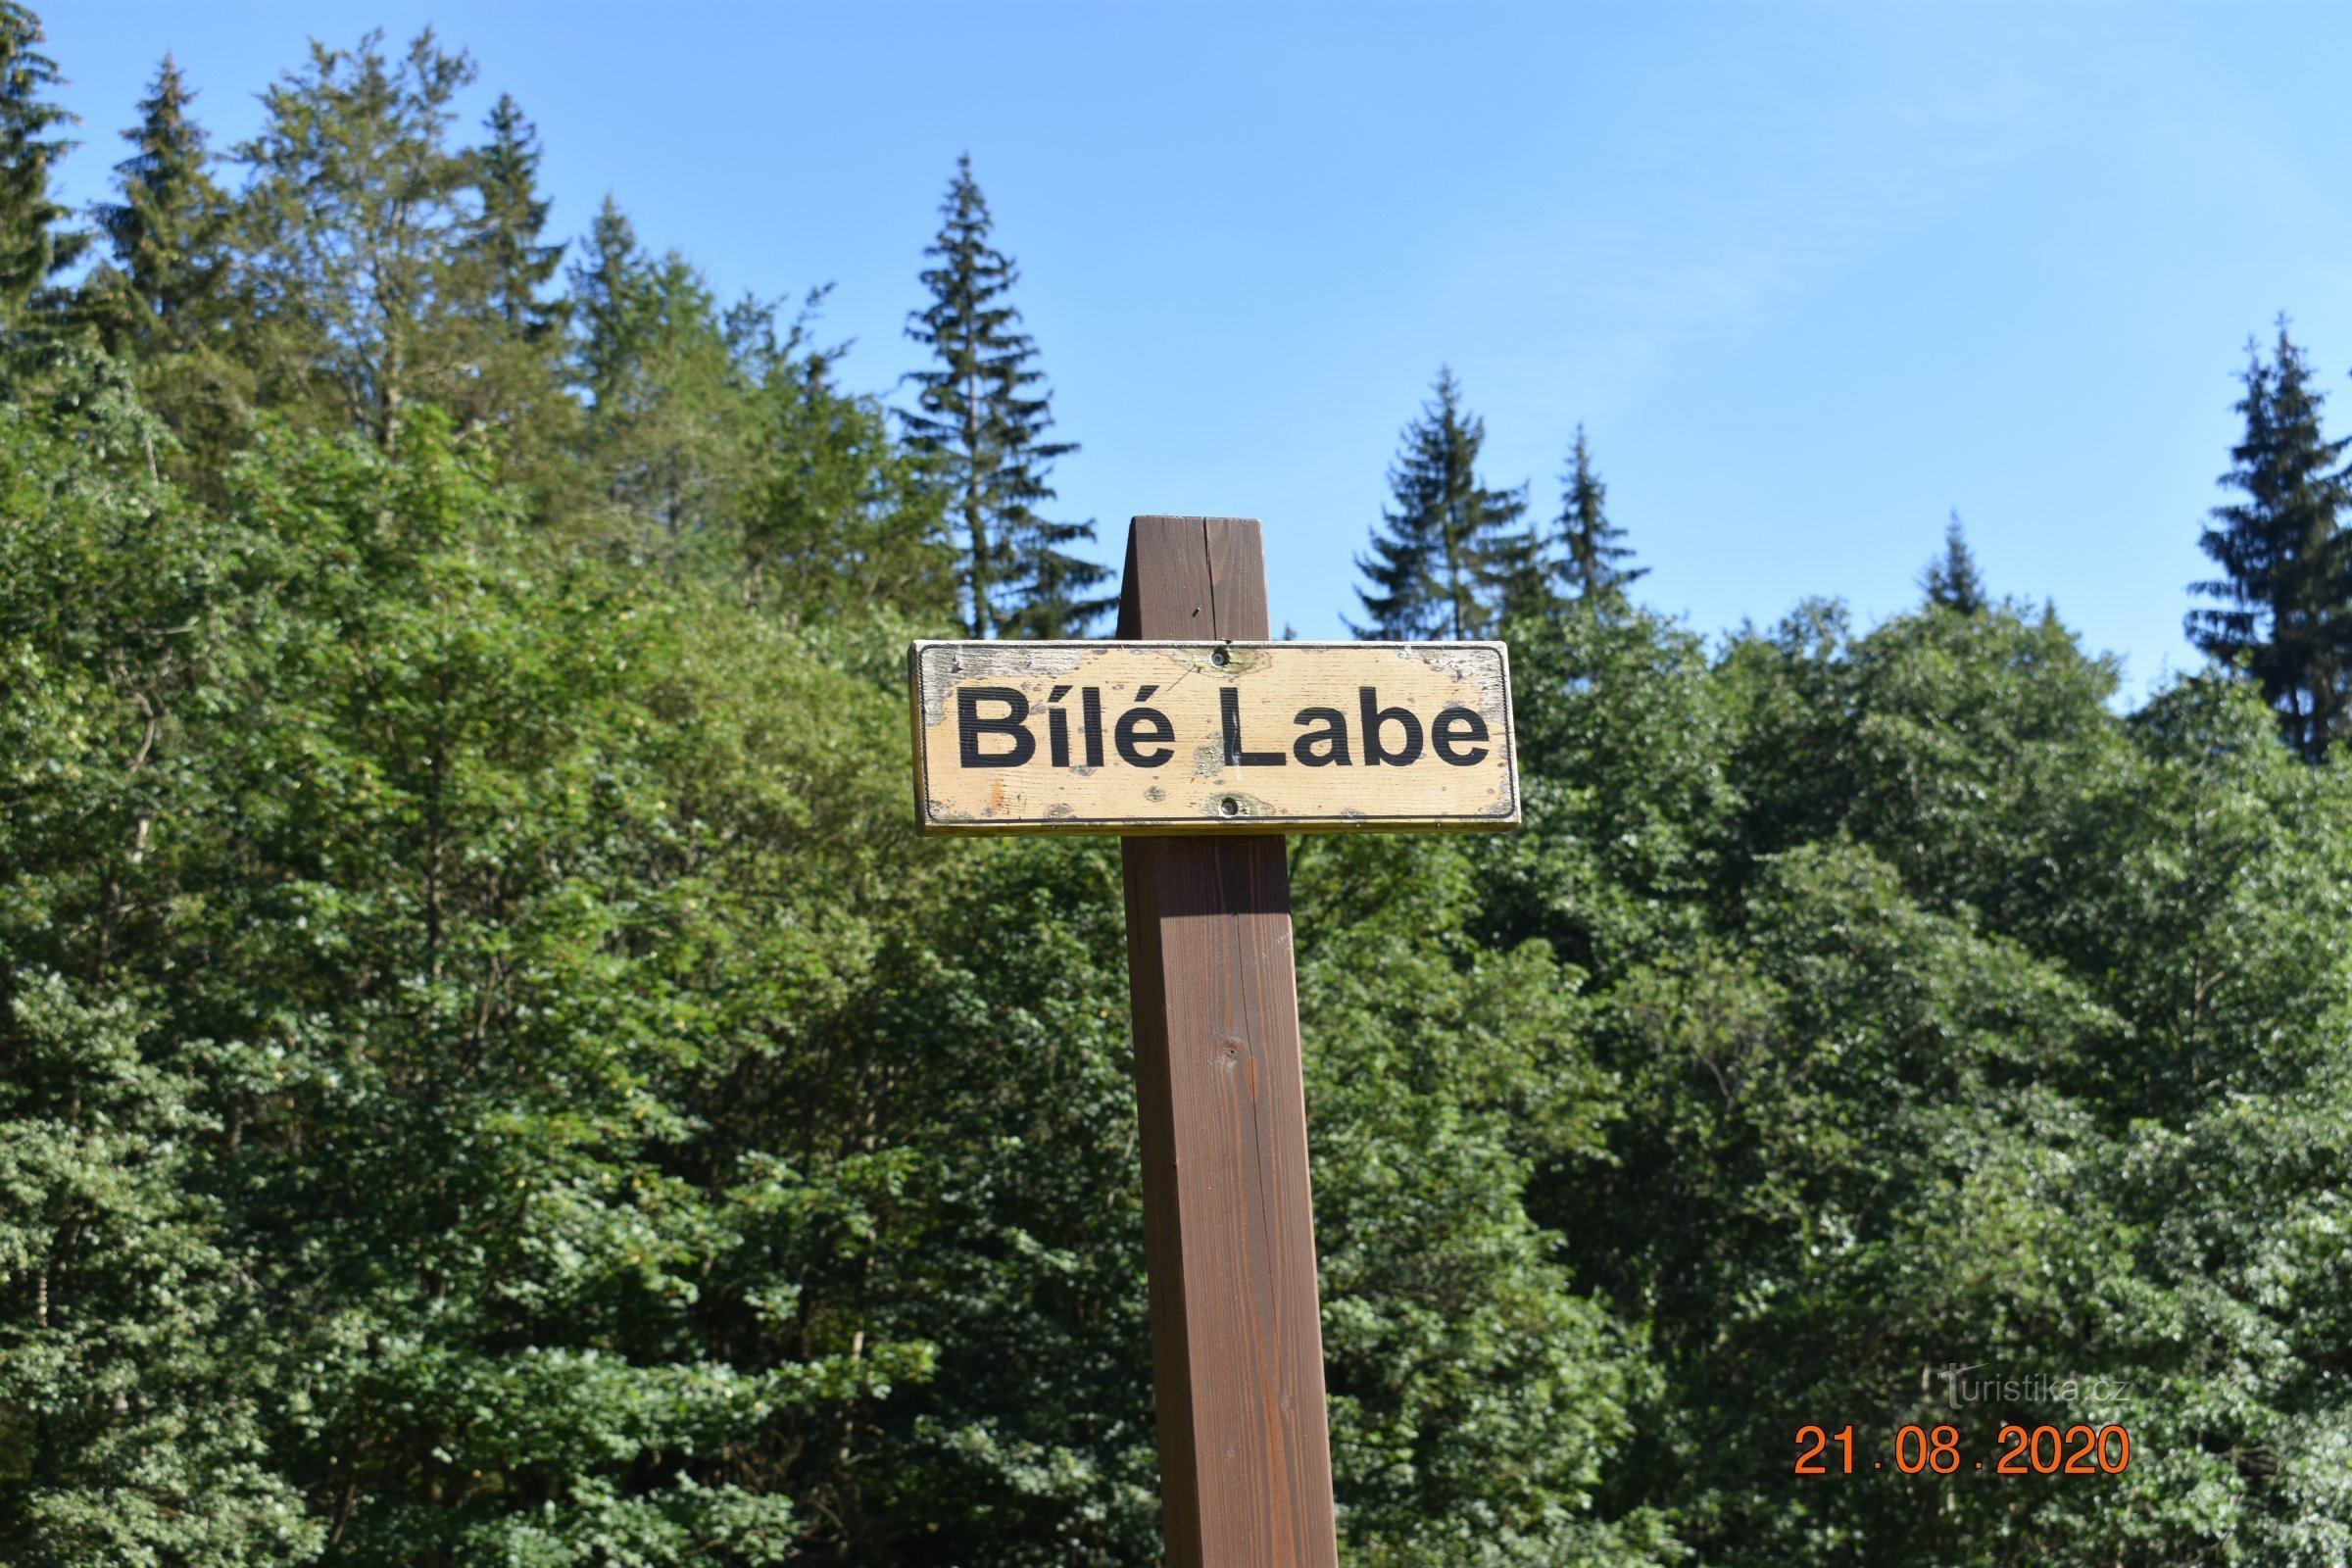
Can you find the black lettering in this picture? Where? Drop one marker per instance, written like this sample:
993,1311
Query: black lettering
1057,728
1375,716
1454,725
1229,708
970,726
1332,738
1090,723
1139,725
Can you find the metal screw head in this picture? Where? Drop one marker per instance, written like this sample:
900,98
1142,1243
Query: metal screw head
1230,806
1220,658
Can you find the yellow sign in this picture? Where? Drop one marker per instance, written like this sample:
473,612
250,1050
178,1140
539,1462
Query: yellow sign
1134,737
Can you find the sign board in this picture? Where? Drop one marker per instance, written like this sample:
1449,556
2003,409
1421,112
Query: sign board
1194,737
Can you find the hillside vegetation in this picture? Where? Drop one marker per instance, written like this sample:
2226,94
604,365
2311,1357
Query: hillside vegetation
489,1076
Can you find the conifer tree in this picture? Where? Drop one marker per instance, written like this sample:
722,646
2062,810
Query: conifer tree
33,247
665,400
162,299
980,416
2286,583
608,288
517,332
1521,570
167,240
1592,551
1446,545
515,265
839,519
1522,573
1951,579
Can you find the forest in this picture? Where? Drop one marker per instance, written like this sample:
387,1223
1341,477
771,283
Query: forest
489,1075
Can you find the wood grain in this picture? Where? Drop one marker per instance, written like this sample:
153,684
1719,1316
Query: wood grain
1237,1343
1031,737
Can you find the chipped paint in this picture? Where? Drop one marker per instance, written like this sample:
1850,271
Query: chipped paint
1180,689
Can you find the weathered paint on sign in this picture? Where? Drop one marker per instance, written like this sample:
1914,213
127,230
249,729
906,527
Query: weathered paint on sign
1135,737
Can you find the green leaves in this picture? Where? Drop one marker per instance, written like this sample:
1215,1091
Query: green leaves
487,1073
1975,1050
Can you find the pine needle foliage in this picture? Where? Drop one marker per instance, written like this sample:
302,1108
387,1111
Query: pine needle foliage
2286,588
980,416
34,247
168,238
1443,547
1592,548
1951,579
517,263
488,1076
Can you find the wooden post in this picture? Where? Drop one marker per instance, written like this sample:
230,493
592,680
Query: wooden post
1237,1338
1221,742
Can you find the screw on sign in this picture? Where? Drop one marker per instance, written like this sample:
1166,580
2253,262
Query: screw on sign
1201,744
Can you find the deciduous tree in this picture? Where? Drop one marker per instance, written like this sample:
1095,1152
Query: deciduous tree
355,229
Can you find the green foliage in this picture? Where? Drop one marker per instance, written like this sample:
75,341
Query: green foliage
1474,1393
841,521
1447,550
2285,561
979,421
162,299
135,1355
1593,551
489,1075
1986,980
1952,580
664,427
515,379
508,246
165,237
33,248
353,229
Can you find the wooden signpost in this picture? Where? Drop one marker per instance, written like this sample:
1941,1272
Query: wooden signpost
1192,737
1202,744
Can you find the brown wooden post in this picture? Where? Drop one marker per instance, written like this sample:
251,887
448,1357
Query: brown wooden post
1237,1338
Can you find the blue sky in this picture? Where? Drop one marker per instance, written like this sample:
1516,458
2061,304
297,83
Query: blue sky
1811,275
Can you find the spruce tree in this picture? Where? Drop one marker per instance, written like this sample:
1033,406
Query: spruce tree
839,519
162,299
517,331
668,405
1521,572
1951,579
980,416
33,247
507,246
1445,547
2282,552
167,240
1592,551
608,287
